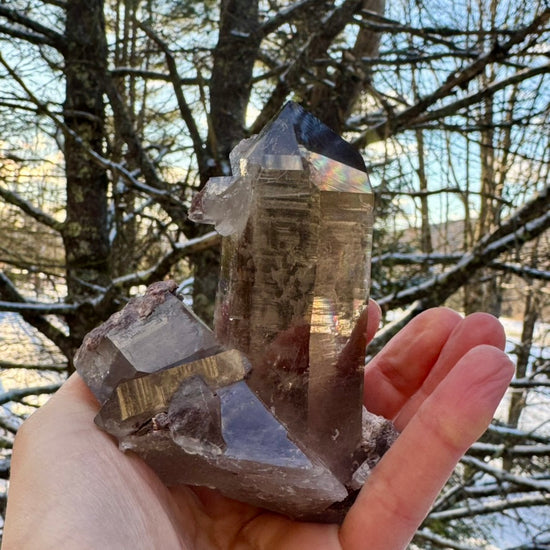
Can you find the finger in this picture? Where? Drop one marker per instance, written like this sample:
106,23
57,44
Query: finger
400,491
475,330
374,314
401,367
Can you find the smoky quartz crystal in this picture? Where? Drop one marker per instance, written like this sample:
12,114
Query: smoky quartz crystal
268,407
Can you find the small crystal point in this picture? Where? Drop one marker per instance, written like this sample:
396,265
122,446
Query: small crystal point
137,400
195,419
128,343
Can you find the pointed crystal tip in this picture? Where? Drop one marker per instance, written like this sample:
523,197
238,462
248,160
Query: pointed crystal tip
293,141
316,136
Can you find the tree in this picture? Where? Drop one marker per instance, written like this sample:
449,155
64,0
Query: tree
114,114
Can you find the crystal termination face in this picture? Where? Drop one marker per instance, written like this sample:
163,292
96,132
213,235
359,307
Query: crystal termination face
268,408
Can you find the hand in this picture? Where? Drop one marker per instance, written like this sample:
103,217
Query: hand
440,379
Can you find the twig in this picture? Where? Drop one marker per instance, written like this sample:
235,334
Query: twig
19,393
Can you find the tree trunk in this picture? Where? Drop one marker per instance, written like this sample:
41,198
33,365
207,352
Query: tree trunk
334,104
232,77
85,233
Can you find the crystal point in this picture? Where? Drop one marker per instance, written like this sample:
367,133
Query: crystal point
127,344
295,277
314,136
194,418
268,408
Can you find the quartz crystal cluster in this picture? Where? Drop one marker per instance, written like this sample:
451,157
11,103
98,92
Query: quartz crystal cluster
267,408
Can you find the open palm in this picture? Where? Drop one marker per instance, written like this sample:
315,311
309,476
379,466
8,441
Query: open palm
440,380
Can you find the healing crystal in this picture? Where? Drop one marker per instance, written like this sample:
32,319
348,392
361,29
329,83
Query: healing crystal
128,343
268,410
294,275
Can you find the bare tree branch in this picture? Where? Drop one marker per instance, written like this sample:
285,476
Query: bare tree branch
329,27
153,183
32,38
407,117
50,37
481,449
522,271
526,224
514,434
5,465
483,508
38,308
10,423
152,75
284,16
27,366
529,383
40,216
19,393
435,258
501,475
493,88
185,111
161,268
441,542
35,319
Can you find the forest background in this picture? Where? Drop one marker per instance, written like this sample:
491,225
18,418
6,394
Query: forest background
113,113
